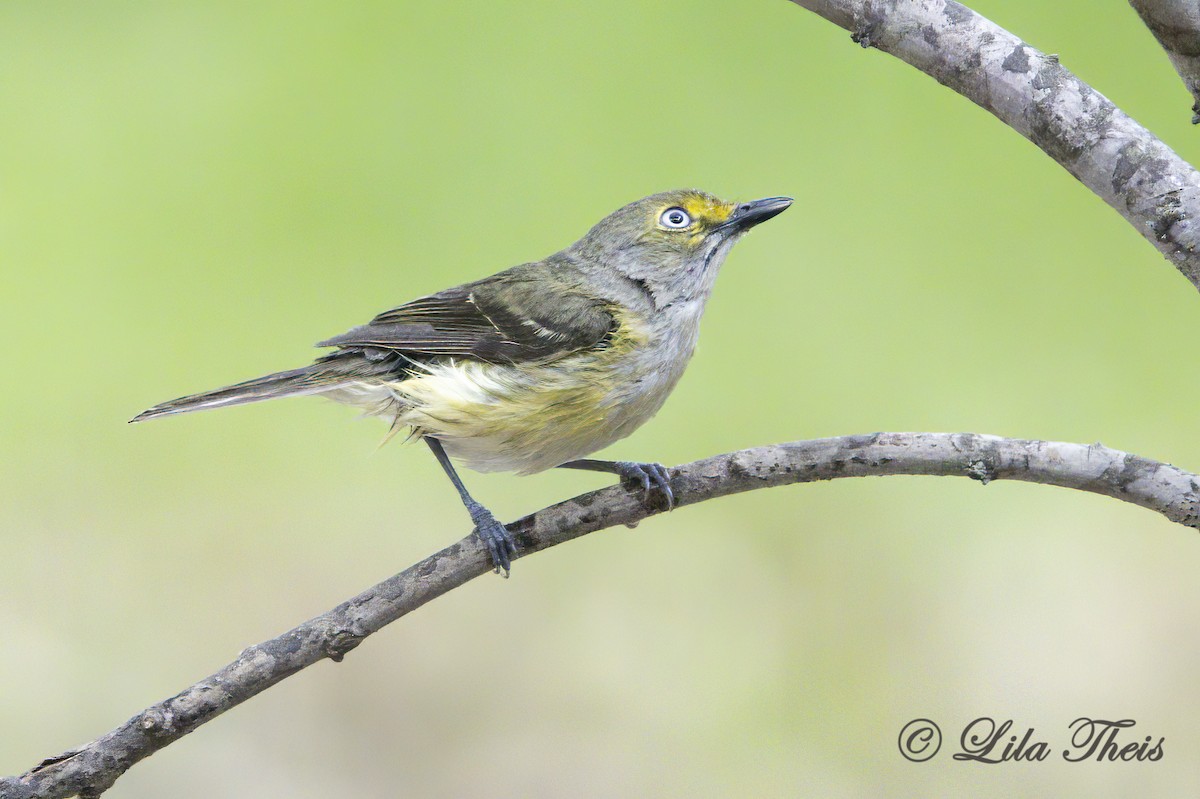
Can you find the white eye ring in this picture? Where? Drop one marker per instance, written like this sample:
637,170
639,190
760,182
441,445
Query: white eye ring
675,219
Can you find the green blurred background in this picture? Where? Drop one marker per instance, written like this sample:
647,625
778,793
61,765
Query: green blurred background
193,192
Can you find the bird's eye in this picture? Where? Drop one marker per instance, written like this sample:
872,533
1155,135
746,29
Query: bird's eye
675,218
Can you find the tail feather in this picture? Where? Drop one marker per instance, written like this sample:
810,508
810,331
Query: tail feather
294,382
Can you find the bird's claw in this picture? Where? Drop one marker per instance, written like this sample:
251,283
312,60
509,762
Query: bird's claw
496,538
651,477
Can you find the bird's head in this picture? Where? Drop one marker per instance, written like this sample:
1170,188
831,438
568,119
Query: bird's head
674,241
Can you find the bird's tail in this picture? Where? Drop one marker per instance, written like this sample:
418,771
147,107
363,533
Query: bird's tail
294,382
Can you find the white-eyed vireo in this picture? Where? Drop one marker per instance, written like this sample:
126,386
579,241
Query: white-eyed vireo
541,364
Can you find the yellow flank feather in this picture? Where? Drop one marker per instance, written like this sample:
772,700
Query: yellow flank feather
529,417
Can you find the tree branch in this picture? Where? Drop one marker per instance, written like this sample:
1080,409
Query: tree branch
1176,25
93,768
1123,163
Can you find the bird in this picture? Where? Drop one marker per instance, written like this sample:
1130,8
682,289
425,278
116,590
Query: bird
539,365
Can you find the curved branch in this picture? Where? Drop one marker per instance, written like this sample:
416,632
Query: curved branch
92,769
1119,160
1176,25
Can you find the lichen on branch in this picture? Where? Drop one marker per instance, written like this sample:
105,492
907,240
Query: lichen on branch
93,768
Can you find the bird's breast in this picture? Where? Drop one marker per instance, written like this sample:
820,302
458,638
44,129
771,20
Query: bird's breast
533,416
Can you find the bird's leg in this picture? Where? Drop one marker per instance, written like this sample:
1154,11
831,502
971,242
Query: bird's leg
650,476
499,541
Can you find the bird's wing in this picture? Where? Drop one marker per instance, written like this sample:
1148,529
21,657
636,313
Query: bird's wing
518,315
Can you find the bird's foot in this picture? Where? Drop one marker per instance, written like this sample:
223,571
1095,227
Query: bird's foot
651,477
495,536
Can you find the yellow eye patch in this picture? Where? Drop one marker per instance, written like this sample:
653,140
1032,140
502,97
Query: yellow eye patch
706,211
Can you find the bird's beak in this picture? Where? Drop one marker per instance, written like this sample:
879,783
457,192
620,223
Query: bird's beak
747,215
